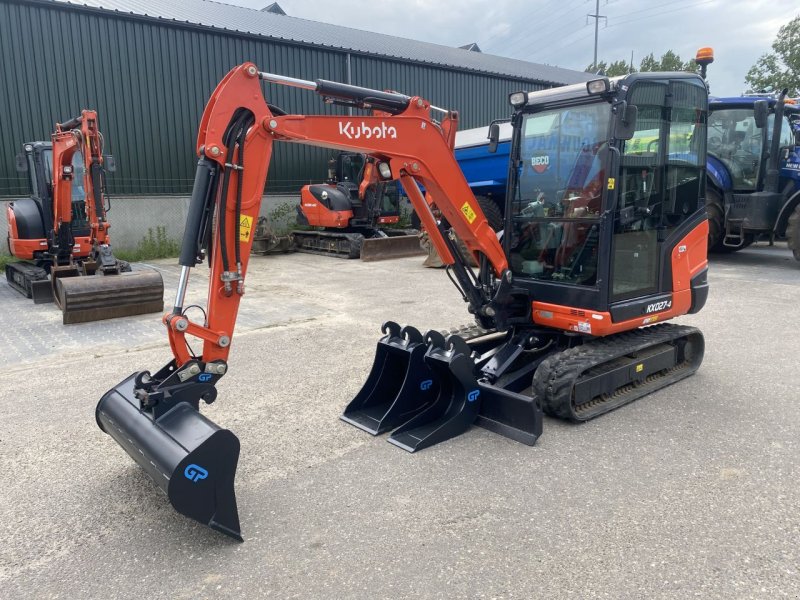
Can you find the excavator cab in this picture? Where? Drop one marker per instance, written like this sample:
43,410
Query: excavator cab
600,198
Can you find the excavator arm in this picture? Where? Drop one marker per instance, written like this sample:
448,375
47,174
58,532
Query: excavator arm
155,417
237,131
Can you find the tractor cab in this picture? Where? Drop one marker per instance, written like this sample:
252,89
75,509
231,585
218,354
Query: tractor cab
606,179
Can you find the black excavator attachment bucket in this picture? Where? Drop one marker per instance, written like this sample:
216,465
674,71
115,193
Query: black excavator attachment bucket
399,385
430,391
190,458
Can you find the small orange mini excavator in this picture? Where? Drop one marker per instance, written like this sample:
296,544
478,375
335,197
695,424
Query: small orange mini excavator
61,231
604,238
353,208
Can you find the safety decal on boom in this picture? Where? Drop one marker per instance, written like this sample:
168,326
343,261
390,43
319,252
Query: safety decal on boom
245,227
468,212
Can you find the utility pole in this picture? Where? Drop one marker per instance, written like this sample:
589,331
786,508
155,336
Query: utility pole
596,16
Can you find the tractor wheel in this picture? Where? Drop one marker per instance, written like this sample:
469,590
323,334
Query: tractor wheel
793,232
716,222
492,212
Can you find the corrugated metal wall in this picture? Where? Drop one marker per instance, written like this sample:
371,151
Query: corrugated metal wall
149,82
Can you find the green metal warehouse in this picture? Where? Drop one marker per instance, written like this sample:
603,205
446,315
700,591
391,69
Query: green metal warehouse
148,67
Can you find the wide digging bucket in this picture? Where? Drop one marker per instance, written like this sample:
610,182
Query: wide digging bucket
96,297
191,459
400,383
458,398
385,248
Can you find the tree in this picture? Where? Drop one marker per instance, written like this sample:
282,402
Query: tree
618,67
669,62
780,68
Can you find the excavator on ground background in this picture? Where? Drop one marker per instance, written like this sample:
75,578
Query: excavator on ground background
60,234
354,207
602,238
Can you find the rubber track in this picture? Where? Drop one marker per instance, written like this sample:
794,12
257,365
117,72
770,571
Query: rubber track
353,239
556,377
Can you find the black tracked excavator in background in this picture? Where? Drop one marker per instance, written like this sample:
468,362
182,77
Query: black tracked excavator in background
605,237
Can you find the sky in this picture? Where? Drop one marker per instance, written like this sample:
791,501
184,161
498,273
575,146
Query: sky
558,32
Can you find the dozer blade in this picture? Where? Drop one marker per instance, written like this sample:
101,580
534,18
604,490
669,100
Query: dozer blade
385,248
191,459
399,384
96,297
457,402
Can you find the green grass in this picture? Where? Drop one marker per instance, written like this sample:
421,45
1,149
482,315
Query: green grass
155,244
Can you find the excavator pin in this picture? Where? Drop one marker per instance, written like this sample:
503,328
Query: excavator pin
188,457
429,389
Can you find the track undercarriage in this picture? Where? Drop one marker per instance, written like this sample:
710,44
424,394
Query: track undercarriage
367,244
431,388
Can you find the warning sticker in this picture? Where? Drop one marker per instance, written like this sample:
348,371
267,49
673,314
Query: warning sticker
468,212
245,227
611,183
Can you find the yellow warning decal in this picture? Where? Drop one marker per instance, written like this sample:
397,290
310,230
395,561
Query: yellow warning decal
468,212
245,227
639,367
611,183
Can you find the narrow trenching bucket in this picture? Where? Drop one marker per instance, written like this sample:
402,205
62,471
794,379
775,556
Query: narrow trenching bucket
190,458
95,297
400,383
457,401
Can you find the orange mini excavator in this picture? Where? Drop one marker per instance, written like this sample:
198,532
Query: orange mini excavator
602,237
62,231
353,208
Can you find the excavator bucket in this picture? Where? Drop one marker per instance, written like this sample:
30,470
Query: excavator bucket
392,246
95,297
191,459
430,389
457,402
399,384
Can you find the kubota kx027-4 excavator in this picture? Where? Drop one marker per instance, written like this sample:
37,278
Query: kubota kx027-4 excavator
354,206
601,238
62,230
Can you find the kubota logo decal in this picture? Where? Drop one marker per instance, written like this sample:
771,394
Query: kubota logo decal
379,132
195,473
426,385
540,163
473,395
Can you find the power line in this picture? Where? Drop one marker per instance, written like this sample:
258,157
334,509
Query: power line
550,19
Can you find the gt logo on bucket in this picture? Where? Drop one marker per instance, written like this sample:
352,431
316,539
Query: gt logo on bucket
195,473
426,385
203,377
354,132
473,395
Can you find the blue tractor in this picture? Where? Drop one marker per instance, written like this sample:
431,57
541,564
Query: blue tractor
753,186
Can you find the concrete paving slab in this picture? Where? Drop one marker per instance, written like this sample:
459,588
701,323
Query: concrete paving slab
689,492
